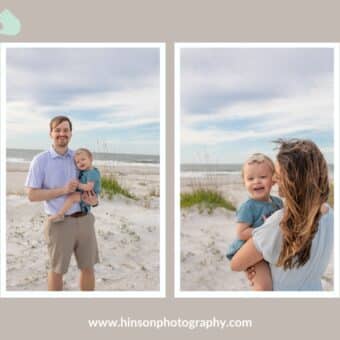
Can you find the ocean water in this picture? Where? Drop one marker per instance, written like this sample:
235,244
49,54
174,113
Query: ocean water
201,170
100,158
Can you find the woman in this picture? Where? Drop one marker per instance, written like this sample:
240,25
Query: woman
296,241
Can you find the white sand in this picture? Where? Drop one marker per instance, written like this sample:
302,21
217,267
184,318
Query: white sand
205,239
127,234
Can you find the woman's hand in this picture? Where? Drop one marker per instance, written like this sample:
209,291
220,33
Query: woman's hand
324,209
89,197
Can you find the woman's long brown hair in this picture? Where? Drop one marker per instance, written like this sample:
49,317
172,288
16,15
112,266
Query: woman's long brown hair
304,185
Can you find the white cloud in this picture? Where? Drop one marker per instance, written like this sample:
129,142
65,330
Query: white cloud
274,117
118,98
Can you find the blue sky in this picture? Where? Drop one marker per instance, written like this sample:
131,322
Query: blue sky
236,101
110,94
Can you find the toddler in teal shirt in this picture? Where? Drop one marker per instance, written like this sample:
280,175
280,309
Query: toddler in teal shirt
257,174
89,180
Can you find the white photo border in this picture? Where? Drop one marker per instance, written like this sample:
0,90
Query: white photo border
177,90
161,293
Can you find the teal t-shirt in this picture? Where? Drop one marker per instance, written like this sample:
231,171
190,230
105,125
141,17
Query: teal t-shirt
254,213
92,175
85,176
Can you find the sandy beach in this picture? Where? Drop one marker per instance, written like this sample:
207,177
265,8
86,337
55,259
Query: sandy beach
205,238
127,233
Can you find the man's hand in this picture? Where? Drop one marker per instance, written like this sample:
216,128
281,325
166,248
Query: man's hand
71,186
251,273
89,197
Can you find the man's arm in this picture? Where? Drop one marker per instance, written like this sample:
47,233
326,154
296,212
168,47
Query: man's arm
36,195
90,198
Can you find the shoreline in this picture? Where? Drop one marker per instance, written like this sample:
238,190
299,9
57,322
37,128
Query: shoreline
140,181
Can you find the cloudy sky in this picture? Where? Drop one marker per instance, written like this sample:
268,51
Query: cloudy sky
110,94
234,101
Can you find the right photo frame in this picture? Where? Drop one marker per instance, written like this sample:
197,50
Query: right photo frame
256,170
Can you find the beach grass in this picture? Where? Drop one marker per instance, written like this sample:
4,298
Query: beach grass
205,199
111,187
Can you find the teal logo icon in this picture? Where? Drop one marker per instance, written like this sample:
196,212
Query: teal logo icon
9,23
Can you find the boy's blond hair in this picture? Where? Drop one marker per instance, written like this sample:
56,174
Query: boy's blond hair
258,158
83,150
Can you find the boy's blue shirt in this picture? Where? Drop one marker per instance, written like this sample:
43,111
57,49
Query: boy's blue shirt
92,175
85,176
254,213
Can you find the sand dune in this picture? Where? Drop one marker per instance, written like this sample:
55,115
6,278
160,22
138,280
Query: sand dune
127,233
205,239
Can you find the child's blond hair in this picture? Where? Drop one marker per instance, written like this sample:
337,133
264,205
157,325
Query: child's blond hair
258,158
83,150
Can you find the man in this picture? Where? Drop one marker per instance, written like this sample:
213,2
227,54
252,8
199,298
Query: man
53,175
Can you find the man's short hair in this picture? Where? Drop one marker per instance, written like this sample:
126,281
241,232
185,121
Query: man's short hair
58,120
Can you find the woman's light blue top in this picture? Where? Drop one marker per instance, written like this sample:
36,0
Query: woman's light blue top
268,241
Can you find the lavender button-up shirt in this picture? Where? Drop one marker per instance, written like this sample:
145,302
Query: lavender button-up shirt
49,170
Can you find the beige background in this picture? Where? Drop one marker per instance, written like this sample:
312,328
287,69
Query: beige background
171,21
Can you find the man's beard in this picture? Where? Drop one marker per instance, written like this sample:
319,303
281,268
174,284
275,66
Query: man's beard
62,141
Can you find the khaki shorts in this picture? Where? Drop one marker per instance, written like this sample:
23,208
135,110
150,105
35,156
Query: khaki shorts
73,235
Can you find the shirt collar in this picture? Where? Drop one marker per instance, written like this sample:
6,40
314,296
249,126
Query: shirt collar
54,154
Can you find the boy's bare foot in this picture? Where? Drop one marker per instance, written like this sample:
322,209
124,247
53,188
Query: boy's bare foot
56,218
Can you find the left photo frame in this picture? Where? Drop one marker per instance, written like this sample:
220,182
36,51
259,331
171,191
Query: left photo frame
67,111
